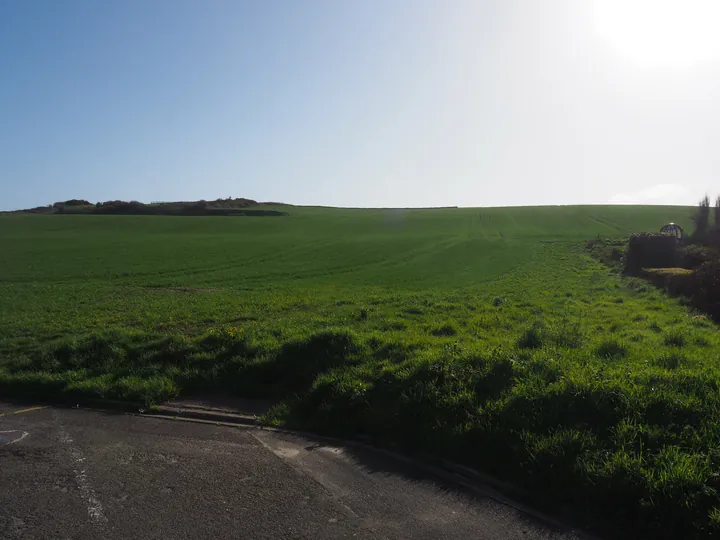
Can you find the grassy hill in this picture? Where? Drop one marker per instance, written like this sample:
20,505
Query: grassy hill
415,248
488,336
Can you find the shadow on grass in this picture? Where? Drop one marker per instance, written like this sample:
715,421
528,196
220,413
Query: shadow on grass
619,449
151,369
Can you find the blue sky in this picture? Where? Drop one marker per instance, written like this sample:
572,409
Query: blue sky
359,103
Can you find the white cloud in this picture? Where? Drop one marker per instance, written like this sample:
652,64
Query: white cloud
658,194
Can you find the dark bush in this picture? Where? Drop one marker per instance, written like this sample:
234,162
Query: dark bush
651,250
220,207
121,207
71,202
702,220
707,288
77,202
693,256
198,208
713,237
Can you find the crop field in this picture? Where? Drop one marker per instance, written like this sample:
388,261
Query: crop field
487,336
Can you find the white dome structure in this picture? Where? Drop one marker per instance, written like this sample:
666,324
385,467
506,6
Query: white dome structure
674,229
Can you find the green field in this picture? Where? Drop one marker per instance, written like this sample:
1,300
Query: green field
489,336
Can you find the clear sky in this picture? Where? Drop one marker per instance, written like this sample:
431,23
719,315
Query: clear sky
360,102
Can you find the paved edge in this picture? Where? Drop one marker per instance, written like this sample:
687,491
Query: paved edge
481,484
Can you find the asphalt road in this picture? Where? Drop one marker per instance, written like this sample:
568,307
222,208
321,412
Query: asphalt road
67,473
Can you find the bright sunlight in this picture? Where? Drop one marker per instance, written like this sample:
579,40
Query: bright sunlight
660,33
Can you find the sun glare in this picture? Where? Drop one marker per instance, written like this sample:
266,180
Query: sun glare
657,33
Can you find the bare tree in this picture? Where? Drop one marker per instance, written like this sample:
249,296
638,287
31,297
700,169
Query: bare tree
702,219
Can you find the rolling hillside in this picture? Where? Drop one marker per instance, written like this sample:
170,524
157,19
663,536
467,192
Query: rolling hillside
485,335
412,249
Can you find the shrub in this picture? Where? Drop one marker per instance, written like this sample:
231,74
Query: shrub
702,220
72,202
707,288
693,256
651,250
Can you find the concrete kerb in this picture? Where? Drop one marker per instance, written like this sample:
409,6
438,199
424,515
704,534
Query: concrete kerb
203,413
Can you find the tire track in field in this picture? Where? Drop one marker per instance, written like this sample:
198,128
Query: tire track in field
353,267
609,225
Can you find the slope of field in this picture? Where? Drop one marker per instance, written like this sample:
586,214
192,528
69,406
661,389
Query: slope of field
417,248
488,336
64,274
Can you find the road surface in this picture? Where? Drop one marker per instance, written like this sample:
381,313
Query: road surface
80,474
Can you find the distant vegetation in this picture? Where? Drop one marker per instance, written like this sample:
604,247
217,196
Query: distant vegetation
689,267
219,207
487,336
706,232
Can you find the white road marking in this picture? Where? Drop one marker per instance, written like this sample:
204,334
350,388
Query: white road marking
95,509
24,434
